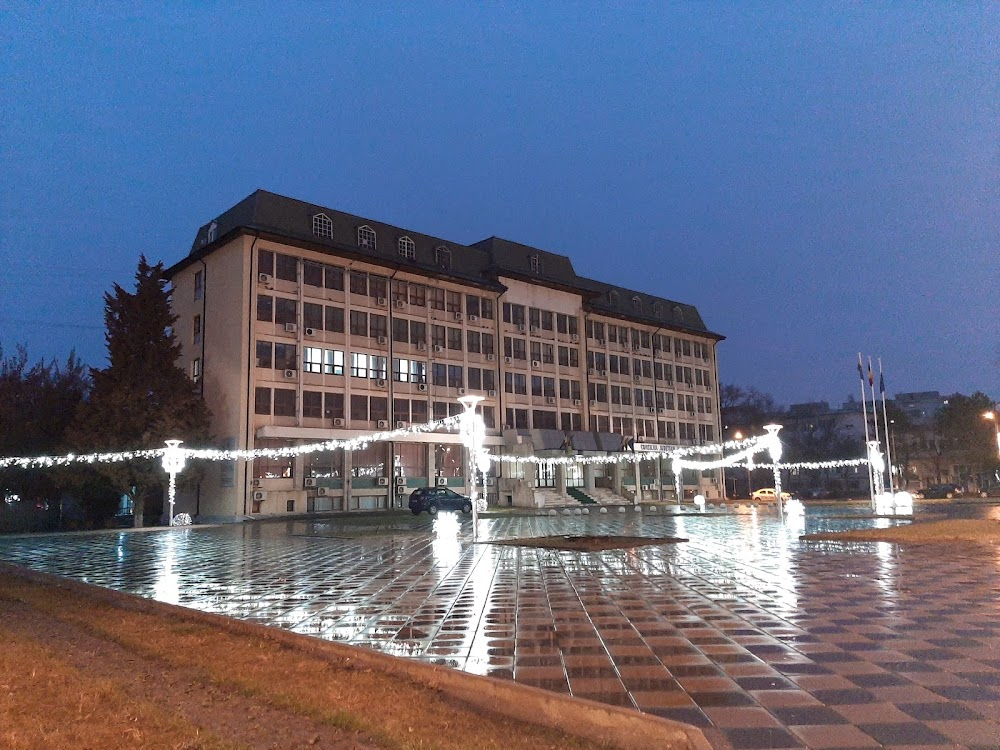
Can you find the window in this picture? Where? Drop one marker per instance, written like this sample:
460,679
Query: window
548,354
486,308
513,314
262,401
199,284
312,359
312,404
359,408
514,348
322,226
359,283
455,339
401,330
312,315
285,357
418,332
333,278
442,257
658,309
265,308
472,343
378,326
284,402
378,287
488,343
435,296
312,273
265,261
285,310
333,362
455,379
418,295
475,379
453,302
547,318
471,305
359,323
278,467
196,330
366,237
437,336
334,319
378,367
407,249
534,317
264,354
636,304
333,405
378,409
535,263
613,297
544,420
439,374
359,367
196,369
286,267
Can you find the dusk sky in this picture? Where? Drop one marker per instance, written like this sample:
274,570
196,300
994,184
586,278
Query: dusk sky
817,179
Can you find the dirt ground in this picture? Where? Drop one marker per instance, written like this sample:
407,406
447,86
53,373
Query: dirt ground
80,673
955,530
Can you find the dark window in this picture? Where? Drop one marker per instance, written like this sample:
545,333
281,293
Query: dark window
418,332
312,315
264,354
333,405
284,402
379,409
359,283
359,323
286,267
455,376
333,278
359,408
401,330
285,357
265,308
312,273
262,401
265,261
377,287
378,326
335,319
455,339
284,310
312,404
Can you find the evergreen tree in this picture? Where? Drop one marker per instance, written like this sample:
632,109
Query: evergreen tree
142,398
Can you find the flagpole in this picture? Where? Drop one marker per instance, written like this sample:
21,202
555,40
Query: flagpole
885,423
864,407
871,384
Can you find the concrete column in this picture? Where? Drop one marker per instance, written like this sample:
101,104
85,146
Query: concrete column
616,477
431,470
560,479
659,482
588,477
348,490
638,482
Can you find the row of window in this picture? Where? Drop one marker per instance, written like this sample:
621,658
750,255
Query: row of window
328,405
644,398
638,339
598,363
541,419
540,320
322,226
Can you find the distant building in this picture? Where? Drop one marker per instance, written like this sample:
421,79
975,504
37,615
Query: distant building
303,324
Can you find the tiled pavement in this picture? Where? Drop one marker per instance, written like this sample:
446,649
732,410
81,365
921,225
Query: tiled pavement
762,640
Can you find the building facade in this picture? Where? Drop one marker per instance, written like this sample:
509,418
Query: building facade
303,324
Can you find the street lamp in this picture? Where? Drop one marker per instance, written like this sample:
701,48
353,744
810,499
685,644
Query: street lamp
739,436
992,416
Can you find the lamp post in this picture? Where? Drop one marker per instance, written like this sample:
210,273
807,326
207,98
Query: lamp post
173,463
739,436
473,432
994,417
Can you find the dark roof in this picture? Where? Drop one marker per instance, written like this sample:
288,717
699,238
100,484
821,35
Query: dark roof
279,218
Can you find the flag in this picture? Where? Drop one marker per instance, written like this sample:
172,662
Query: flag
871,375
881,383
861,373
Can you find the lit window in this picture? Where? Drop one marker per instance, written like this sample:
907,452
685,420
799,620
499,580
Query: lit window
442,257
366,237
322,226
407,249
312,359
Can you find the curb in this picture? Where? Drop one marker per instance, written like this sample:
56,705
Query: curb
623,728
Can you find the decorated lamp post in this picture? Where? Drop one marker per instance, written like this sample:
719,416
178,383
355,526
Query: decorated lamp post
877,464
473,432
173,464
678,483
774,449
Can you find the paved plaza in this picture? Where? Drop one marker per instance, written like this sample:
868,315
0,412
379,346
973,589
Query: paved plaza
760,639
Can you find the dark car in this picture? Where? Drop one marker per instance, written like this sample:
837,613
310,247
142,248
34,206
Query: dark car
943,490
433,499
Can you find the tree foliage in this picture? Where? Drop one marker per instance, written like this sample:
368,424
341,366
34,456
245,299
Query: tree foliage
142,398
746,410
967,434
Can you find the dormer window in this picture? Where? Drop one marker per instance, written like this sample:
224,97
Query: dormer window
636,303
613,297
407,248
442,257
678,313
658,309
322,226
535,262
213,229
366,237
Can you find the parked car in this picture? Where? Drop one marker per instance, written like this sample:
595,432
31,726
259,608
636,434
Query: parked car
433,499
943,491
768,495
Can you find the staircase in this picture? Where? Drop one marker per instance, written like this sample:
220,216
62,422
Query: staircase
579,495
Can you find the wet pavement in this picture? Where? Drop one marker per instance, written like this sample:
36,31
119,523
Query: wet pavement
760,639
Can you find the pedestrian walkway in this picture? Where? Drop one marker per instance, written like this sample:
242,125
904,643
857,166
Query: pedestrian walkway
762,640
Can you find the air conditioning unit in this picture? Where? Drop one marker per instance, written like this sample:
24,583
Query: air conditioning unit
522,328
601,342
422,387
400,425
438,348
461,391
257,483
652,410
576,402
458,316
550,399
259,495
381,302
574,337
310,332
490,481
637,378
660,410
690,413
645,487
382,424
593,402
591,371
491,394
338,422
441,481
380,383
289,374
535,363
383,481
382,339
508,360
399,303
506,427
309,482
602,373
324,491
473,318
421,346
401,481
291,328
266,279
533,329
490,357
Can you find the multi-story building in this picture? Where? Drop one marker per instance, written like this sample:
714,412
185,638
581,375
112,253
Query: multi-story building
305,324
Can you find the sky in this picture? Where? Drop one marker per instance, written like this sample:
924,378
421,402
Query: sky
819,179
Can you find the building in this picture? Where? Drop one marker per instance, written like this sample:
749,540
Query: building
303,324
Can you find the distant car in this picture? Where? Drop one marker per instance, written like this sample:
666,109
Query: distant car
433,499
768,495
943,491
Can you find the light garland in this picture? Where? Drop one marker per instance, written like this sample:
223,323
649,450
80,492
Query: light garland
813,464
44,462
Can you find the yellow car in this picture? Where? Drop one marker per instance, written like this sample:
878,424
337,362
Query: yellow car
768,495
